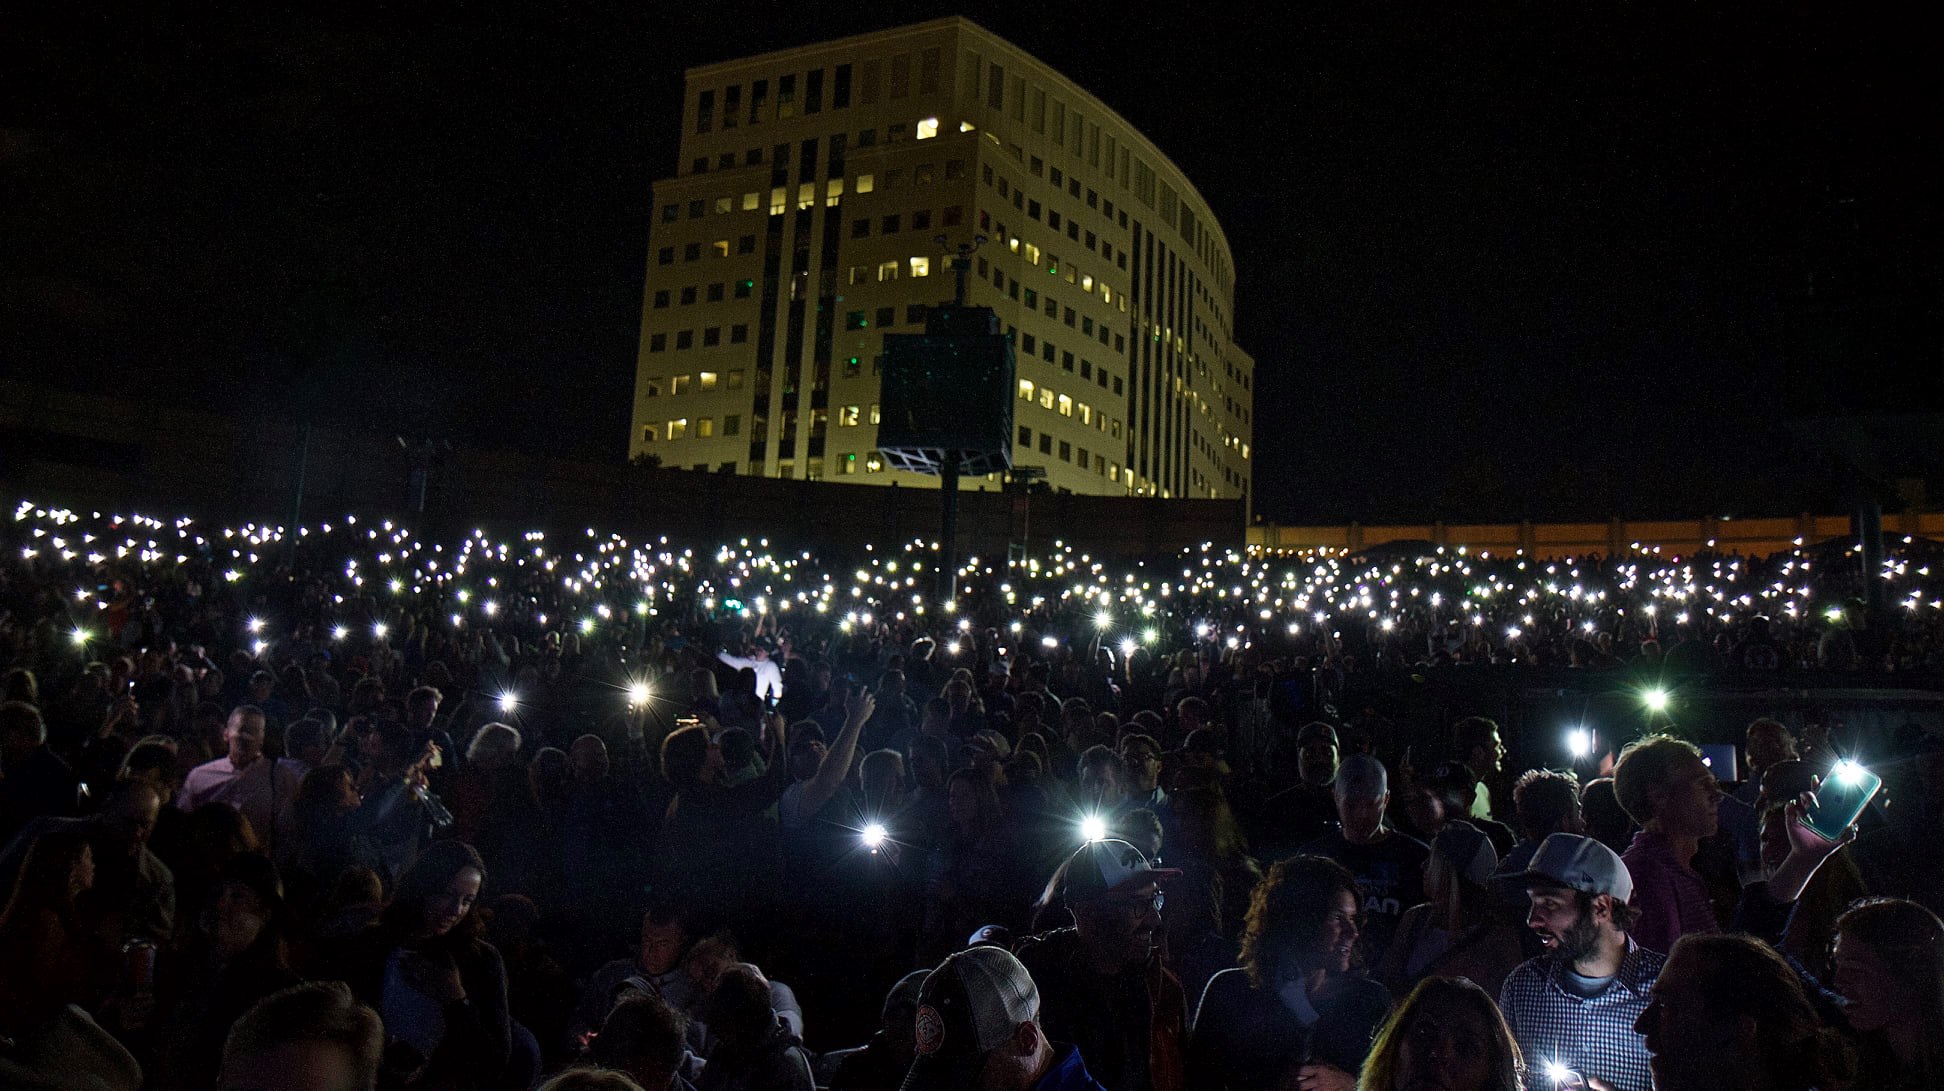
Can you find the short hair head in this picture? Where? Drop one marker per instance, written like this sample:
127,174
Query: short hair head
1361,776
317,1012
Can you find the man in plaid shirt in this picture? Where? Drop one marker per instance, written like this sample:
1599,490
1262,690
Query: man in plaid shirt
1573,1008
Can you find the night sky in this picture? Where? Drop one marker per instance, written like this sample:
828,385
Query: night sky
1498,261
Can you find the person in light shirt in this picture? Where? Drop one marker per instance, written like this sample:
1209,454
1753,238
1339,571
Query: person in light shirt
264,791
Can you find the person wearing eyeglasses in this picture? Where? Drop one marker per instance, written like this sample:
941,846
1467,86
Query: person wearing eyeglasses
1102,983
1296,1014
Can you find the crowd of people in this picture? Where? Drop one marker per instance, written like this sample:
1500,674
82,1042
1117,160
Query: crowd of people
339,807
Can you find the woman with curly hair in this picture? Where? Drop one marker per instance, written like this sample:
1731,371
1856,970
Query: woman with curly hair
1295,1009
1448,1030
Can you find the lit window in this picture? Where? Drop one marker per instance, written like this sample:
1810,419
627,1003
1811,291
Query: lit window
736,379
1066,406
705,427
806,195
887,270
966,127
1106,294
1046,398
866,183
1032,254
1086,282
678,385
927,128
873,464
1025,390
677,428
848,463
874,412
779,199
847,416
648,433
1085,413
1013,244
750,199
921,267
833,190
706,380
721,247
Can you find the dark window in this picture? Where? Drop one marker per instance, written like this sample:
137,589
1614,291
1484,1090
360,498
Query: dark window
953,216
813,92
1028,343
1025,436
1073,230
699,165
685,339
753,157
1068,316
890,225
665,256
921,220
954,168
840,91
1086,369
715,293
1052,218
785,90
731,106
1093,199
1046,444
854,320
743,288
692,252
738,333
1066,451
661,298
1117,385
732,424
746,244
712,337
860,228
867,138
688,295
1033,209
695,209
705,112
1046,352
886,316
758,99
1066,360
915,314
670,213
657,342
996,88
726,160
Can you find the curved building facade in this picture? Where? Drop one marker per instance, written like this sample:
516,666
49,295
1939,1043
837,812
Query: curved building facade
820,193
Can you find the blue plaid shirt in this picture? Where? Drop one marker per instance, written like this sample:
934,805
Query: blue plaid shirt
1594,1037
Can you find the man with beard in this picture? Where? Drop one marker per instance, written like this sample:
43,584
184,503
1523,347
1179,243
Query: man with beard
1103,985
1575,1006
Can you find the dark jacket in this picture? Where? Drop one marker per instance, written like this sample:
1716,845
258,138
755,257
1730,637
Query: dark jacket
1129,1027
1245,1038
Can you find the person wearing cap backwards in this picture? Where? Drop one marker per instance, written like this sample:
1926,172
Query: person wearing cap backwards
978,1029
1106,988
1574,1007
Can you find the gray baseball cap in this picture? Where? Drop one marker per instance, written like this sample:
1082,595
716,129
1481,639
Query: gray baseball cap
968,1007
1567,859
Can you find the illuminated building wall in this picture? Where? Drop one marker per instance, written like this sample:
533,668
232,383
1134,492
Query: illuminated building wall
813,191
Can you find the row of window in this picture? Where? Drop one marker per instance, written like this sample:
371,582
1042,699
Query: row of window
714,293
870,80
711,337
1066,406
1053,218
1067,452
700,382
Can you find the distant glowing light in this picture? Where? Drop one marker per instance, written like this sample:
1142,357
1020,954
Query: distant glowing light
1579,743
875,835
1656,700
508,703
1093,828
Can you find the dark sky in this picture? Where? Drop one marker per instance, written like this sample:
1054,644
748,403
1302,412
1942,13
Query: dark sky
1495,261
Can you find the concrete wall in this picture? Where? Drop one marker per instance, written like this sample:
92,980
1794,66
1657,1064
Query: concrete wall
86,449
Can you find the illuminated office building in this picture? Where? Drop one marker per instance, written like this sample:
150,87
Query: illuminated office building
814,188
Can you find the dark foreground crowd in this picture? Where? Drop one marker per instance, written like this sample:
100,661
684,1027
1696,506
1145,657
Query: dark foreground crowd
240,850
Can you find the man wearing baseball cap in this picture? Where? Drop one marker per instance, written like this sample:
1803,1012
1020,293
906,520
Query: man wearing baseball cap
978,1029
1105,987
1574,1007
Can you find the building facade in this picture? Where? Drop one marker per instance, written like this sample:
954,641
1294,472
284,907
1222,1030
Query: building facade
820,195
